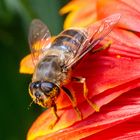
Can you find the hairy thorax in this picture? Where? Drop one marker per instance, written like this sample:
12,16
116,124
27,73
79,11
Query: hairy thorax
50,68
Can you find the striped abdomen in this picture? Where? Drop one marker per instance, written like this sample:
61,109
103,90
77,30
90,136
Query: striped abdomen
70,40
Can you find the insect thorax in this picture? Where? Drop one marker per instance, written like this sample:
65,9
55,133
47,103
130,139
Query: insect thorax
50,68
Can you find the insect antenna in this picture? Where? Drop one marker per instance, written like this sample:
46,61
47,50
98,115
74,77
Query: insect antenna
29,106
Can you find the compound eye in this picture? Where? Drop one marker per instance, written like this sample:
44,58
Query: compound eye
34,85
47,87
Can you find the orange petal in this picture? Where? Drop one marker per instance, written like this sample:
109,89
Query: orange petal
26,65
81,13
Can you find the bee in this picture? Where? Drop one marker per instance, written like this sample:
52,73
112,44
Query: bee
55,60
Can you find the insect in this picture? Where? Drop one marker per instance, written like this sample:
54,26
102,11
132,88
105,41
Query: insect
54,62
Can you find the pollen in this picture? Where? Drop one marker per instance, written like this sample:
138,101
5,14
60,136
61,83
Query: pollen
118,56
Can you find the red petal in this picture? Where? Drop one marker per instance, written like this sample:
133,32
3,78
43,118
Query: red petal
125,43
120,110
129,130
132,3
130,18
102,73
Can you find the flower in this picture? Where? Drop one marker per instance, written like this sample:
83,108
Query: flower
83,13
112,77
119,119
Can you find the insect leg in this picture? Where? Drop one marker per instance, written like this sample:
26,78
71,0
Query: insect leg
105,46
54,110
73,101
85,90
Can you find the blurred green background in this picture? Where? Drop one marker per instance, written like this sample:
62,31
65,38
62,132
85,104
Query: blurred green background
15,17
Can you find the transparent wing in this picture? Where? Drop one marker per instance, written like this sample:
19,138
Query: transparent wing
39,39
96,33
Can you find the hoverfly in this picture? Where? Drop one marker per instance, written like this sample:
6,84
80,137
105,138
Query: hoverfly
54,62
